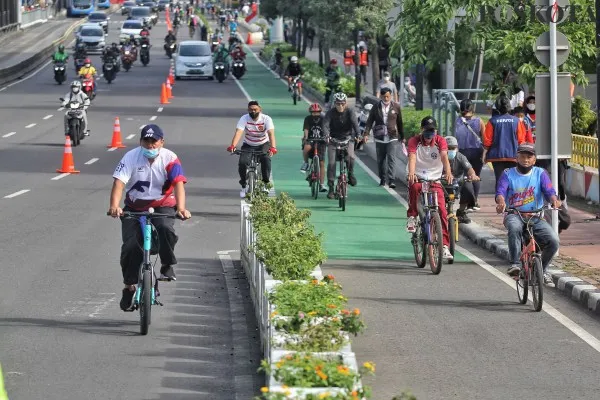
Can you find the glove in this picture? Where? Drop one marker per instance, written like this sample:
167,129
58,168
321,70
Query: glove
272,151
231,149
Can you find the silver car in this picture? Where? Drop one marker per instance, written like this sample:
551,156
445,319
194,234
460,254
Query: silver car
99,18
92,36
144,14
194,59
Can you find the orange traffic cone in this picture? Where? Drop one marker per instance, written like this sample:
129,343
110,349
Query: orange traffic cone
116,137
68,166
163,95
171,76
249,38
169,89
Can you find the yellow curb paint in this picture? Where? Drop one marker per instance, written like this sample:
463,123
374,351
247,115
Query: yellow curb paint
3,394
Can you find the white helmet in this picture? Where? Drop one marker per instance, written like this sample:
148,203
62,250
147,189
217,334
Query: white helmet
75,86
294,59
368,107
340,97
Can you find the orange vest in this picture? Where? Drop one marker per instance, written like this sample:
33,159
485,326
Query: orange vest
363,58
349,57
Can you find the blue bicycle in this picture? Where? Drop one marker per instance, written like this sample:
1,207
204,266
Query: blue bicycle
427,237
146,293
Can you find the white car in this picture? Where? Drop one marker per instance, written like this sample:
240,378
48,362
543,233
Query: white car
131,27
194,59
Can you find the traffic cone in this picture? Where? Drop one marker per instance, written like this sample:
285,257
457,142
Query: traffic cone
163,95
172,76
68,166
116,137
169,89
249,38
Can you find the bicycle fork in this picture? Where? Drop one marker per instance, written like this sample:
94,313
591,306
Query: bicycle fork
147,265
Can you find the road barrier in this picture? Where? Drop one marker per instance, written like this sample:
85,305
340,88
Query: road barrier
585,151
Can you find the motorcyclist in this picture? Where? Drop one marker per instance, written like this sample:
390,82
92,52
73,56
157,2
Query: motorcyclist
170,38
61,55
111,54
145,37
293,70
88,70
222,55
80,53
332,73
76,94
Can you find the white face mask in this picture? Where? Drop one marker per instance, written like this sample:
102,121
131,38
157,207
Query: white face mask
75,90
521,119
386,78
531,106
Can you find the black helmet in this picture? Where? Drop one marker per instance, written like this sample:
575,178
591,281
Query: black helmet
61,48
502,104
466,106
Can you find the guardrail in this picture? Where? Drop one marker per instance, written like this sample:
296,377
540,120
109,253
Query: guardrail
32,17
445,107
585,151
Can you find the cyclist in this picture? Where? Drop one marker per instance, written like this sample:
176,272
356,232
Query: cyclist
313,129
428,159
151,176
460,165
340,123
332,73
293,69
525,187
259,135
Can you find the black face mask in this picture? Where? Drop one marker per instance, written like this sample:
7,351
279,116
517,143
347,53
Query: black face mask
524,170
253,115
316,119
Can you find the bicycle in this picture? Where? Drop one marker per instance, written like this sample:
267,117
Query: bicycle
341,188
253,170
146,293
294,86
427,239
314,177
532,273
451,194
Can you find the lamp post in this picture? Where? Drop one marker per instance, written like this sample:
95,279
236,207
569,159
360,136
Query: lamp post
357,76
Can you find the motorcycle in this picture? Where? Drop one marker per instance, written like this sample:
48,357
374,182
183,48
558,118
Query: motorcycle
87,85
75,121
239,68
109,69
295,93
214,45
127,59
145,54
60,73
220,71
170,48
78,64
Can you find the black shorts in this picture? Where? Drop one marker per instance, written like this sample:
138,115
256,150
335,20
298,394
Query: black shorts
322,148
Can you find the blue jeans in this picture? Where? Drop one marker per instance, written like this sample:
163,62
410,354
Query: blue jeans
543,233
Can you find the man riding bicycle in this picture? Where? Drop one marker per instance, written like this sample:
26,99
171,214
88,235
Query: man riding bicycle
259,135
341,124
151,176
333,76
428,159
313,129
525,187
293,70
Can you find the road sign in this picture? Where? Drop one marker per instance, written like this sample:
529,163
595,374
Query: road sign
392,20
546,13
542,48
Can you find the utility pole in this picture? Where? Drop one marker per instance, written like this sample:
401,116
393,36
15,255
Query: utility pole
554,105
357,67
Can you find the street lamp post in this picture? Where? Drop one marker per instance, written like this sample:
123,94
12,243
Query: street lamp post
357,76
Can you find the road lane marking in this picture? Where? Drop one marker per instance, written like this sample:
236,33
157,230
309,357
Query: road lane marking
48,116
100,307
15,194
60,109
130,136
9,134
152,118
142,127
112,149
30,126
93,160
60,176
159,109
548,309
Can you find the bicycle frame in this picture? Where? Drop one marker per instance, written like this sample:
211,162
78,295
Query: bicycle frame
253,170
146,227
429,201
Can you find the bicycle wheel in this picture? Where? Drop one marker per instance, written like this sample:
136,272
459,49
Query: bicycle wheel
436,244
146,301
343,195
251,180
316,174
294,98
537,283
452,236
523,285
418,242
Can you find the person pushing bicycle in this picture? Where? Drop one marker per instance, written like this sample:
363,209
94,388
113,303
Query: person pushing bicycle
428,159
151,176
525,187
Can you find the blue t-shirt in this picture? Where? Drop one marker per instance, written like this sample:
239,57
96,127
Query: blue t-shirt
525,192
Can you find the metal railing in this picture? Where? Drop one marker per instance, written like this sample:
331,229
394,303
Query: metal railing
446,108
585,151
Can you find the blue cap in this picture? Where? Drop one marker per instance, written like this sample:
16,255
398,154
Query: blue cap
152,131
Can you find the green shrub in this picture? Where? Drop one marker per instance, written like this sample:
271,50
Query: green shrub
411,120
583,118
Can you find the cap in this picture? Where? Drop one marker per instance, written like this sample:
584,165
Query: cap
451,141
526,148
428,123
152,131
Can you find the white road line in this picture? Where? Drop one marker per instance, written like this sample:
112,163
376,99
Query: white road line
9,134
142,127
15,194
48,116
93,160
112,149
30,126
27,77
548,309
130,136
159,109
60,109
152,118
60,176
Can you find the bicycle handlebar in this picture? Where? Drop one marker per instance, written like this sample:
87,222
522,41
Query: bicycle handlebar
539,210
150,213
254,152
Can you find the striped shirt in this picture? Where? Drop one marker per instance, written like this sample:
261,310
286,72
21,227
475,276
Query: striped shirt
255,131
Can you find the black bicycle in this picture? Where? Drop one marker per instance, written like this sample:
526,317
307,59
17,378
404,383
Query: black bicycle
341,188
314,179
253,170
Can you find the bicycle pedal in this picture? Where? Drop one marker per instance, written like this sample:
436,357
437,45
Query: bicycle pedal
156,302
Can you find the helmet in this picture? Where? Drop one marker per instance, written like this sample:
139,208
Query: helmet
87,62
294,59
368,107
333,61
315,107
340,97
451,141
132,37
61,48
75,86
466,105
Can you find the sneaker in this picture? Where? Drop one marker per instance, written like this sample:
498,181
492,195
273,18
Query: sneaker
476,207
167,273
447,255
323,189
463,218
266,190
331,194
548,279
351,180
514,270
126,303
87,133
411,225
392,185
243,192
304,167
382,182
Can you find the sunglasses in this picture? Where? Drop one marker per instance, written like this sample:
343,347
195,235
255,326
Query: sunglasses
340,103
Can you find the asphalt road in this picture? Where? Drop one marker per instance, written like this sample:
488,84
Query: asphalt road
62,333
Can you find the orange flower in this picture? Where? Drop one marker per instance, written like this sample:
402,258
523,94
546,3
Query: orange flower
314,281
289,357
331,306
356,311
343,370
330,277
322,375
345,312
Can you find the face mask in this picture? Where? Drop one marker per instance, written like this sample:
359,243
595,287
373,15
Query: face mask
253,115
149,153
531,106
451,154
386,78
521,119
75,90
316,119
524,170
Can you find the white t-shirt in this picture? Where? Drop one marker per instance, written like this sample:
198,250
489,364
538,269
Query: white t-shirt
255,132
149,185
428,159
